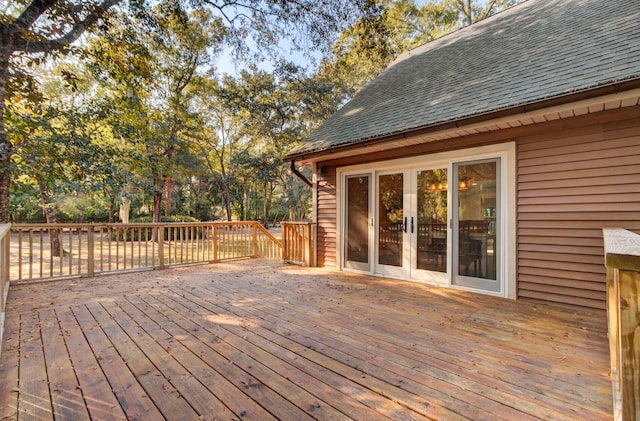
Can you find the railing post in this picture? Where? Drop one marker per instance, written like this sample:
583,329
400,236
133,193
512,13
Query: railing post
622,259
307,244
285,242
255,239
160,239
5,238
215,243
90,251
6,257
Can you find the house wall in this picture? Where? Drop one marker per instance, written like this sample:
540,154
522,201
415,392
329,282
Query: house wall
326,218
575,176
573,180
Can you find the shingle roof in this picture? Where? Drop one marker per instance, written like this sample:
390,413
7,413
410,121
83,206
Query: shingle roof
540,49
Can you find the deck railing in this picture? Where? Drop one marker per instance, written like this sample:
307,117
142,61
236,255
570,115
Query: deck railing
4,273
46,251
297,240
622,259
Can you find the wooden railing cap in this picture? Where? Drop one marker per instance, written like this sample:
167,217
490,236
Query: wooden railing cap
4,229
621,249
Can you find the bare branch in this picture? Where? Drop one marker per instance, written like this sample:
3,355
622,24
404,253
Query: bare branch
489,9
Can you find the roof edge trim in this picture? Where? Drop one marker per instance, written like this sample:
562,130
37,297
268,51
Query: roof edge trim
577,99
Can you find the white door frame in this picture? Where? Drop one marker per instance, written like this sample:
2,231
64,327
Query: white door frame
505,151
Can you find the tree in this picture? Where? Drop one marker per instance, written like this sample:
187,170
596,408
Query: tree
472,11
221,133
42,27
31,31
58,153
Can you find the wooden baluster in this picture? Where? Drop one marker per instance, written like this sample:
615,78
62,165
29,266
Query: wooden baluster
90,252
160,238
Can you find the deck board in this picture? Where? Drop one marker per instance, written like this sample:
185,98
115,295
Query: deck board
99,399
258,340
34,396
66,397
405,358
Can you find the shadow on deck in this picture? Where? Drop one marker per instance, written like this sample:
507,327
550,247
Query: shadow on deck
255,339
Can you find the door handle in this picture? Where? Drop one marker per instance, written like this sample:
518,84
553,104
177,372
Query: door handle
404,226
412,225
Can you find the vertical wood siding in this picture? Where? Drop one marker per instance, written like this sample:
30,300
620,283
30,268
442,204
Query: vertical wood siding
573,181
327,219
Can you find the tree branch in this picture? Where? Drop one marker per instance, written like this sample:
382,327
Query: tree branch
489,9
78,29
29,16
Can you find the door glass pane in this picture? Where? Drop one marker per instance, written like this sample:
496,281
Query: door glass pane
357,229
390,219
432,220
477,215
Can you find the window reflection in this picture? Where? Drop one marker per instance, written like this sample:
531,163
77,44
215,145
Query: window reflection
390,219
432,220
477,213
357,230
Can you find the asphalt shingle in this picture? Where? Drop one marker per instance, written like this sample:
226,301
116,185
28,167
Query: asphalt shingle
538,50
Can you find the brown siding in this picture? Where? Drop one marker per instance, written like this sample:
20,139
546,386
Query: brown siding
572,181
326,217
575,176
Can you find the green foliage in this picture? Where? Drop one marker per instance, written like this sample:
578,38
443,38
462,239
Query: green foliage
25,203
141,110
147,234
171,218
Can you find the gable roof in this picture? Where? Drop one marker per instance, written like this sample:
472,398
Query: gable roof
533,52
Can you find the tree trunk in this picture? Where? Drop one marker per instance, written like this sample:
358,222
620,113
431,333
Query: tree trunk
266,204
227,201
168,188
291,203
247,203
51,215
6,149
112,208
157,206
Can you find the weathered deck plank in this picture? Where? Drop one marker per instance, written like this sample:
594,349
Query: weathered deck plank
98,396
129,390
451,346
66,398
233,385
406,357
34,398
256,340
232,397
9,368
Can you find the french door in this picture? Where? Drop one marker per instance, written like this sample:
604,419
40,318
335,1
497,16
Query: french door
436,223
393,250
357,249
476,225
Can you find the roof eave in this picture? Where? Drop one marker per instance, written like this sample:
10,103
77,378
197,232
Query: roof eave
612,88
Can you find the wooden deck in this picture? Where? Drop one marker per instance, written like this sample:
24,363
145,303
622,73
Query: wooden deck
257,340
